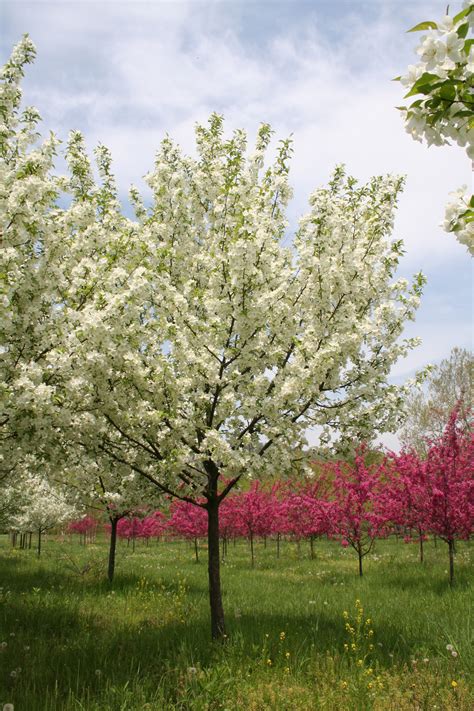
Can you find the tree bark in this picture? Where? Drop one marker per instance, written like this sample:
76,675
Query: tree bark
311,544
278,545
196,550
251,550
359,552
215,593
39,542
420,538
113,545
451,561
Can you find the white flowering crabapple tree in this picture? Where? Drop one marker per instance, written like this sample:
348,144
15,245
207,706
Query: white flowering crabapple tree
443,112
208,356
189,345
41,259
43,507
27,280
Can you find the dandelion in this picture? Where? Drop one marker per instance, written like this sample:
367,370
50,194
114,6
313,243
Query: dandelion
454,684
449,647
192,671
3,645
13,674
8,707
26,648
426,660
269,662
287,655
12,634
282,636
98,672
454,653
344,684
287,670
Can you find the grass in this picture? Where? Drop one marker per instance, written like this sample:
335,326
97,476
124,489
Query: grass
72,642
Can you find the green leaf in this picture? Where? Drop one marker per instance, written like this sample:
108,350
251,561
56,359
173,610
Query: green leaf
426,88
401,108
397,78
467,45
463,30
462,14
424,26
471,201
447,92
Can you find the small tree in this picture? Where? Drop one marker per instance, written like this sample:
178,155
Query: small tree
252,513
44,507
192,346
189,522
449,467
355,518
402,500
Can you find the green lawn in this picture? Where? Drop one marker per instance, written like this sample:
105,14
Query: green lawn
69,641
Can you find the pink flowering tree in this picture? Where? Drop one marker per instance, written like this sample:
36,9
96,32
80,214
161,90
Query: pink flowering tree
188,521
355,518
403,498
153,526
253,514
449,469
306,514
85,527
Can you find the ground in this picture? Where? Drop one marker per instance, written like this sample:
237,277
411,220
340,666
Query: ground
70,641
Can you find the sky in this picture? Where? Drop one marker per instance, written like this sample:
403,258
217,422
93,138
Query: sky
126,73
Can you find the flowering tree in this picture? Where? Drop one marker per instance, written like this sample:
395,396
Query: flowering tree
355,517
191,346
252,514
450,503
403,498
443,111
28,238
188,521
84,526
306,512
43,507
198,380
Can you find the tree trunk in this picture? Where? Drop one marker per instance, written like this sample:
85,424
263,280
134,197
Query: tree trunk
29,540
278,545
359,552
251,550
113,545
311,544
420,538
215,594
39,542
196,550
451,561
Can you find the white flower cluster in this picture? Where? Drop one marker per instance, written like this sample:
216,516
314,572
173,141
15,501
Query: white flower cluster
445,55
442,83
457,216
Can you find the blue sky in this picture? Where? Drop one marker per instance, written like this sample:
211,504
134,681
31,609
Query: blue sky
127,72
